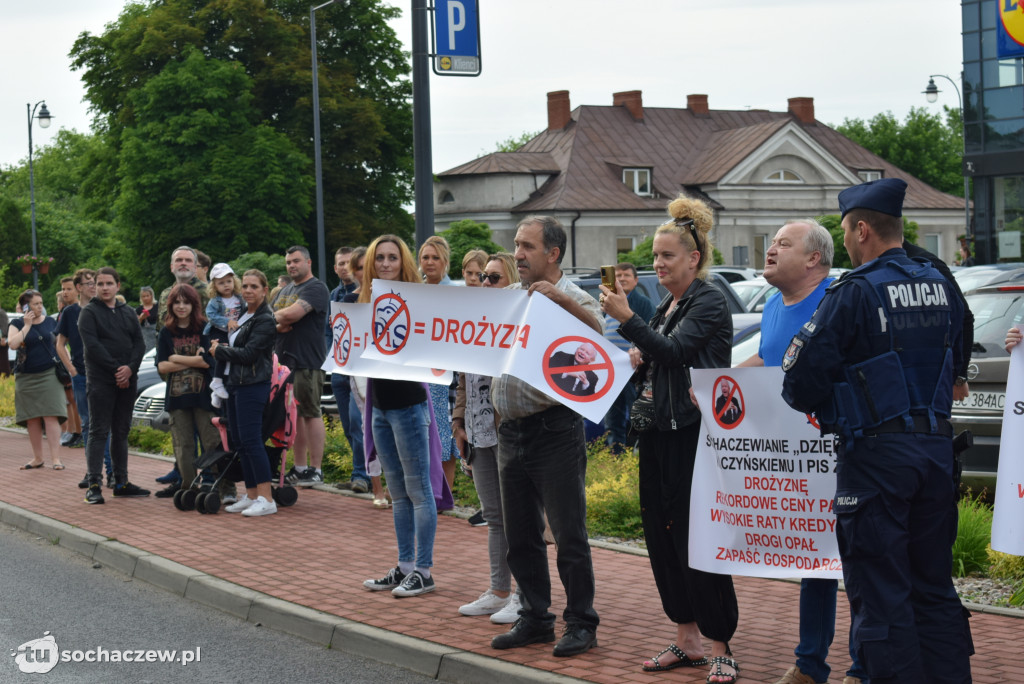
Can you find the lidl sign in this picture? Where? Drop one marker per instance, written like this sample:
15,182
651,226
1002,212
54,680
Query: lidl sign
1010,28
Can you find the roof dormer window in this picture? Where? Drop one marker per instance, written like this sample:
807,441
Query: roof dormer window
783,176
638,180
868,176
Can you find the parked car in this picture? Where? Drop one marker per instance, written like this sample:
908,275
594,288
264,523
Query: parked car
996,309
647,281
973,277
735,274
746,343
149,409
754,293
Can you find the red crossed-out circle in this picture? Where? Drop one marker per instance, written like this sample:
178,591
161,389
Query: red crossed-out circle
343,345
604,364
714,399
393,313
813,420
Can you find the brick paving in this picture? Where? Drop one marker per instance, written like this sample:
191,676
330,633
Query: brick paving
318,552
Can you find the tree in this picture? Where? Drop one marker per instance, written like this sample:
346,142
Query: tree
833,222
924,144
365,95
197,168
514,142
272,265
642,255
464,236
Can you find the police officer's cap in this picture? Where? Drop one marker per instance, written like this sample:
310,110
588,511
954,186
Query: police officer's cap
884,195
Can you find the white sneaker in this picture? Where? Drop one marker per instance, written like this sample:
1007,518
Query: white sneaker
488,604
508,614
216,400
241,505
218,389
260,507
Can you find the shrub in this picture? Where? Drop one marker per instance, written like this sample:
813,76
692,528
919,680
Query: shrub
337,465
613,493
974,532
6,392
150,441
1005,566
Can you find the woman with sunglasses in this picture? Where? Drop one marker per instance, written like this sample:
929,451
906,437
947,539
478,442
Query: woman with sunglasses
691,328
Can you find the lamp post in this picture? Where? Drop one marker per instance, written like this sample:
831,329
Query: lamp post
931,93
321,246
44,122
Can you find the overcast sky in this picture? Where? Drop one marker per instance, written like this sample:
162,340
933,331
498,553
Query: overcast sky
854,58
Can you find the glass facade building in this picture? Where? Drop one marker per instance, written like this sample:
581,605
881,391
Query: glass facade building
993,91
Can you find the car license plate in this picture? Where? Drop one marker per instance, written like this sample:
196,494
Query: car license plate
993,401
142,422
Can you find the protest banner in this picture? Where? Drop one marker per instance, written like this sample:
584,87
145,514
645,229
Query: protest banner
494,332
763,481
351,333
1008,516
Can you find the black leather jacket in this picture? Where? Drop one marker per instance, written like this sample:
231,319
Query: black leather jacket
251,355
700,336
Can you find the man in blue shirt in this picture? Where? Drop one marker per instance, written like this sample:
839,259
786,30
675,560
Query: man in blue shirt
797,263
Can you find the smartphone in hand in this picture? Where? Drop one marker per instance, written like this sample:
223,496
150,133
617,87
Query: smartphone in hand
608,278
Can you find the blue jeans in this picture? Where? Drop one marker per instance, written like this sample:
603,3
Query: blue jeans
616,421
351,423
245,425
542,466
401,437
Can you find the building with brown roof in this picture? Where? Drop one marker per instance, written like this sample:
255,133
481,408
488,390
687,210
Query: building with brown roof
608,172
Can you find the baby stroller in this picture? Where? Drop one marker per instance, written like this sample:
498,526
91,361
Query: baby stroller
219,464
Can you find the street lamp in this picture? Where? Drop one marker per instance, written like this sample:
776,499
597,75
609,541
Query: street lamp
44,122
321,246
931,93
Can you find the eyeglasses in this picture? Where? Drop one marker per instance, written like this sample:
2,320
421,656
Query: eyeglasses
495,278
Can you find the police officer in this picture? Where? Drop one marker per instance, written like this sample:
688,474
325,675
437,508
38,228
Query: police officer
875,363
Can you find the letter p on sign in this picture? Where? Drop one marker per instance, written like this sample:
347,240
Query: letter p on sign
455,9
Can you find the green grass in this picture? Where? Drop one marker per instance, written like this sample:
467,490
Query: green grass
974,532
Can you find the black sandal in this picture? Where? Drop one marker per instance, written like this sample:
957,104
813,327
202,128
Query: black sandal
718,661
684,660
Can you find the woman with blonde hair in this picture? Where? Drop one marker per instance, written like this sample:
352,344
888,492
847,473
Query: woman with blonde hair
403,436
691,328
472,267
435,255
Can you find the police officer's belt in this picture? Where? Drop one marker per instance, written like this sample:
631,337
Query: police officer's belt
919,424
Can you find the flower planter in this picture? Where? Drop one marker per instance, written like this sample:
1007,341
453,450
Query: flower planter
26,268
44,268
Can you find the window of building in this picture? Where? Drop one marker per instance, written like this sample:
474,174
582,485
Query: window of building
446,198
933,243
624,244
637,180
783,176
866,175
1004,135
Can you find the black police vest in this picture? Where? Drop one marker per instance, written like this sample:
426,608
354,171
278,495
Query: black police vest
913,376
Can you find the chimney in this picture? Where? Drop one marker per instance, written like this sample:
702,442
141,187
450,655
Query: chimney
803,109
558,110
697,104
631,100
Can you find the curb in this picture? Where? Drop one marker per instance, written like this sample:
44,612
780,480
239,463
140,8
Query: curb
443,663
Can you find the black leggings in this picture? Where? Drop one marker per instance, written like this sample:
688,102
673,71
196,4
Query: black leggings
687,595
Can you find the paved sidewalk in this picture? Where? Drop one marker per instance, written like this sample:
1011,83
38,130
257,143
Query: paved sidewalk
317,553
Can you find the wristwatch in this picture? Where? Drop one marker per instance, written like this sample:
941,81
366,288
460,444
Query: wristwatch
960,381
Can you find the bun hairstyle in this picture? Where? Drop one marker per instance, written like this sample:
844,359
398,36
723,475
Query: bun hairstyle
692,221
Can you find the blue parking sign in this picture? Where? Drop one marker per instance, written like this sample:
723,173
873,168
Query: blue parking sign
457,28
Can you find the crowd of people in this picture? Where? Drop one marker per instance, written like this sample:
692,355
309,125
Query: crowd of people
218,344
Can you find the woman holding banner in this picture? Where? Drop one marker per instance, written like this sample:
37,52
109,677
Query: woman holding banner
435,257
404,437
692,327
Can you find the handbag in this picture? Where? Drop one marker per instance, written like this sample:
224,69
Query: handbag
642,417
62,373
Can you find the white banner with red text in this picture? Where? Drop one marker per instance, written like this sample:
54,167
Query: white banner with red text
1008,517
351,331
763,481
494,332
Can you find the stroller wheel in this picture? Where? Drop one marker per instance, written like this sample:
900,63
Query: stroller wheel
286,496
179,501
188,500
211,504
201,503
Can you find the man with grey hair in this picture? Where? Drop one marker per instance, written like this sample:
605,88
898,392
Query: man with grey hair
542,465
184,265
797,263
